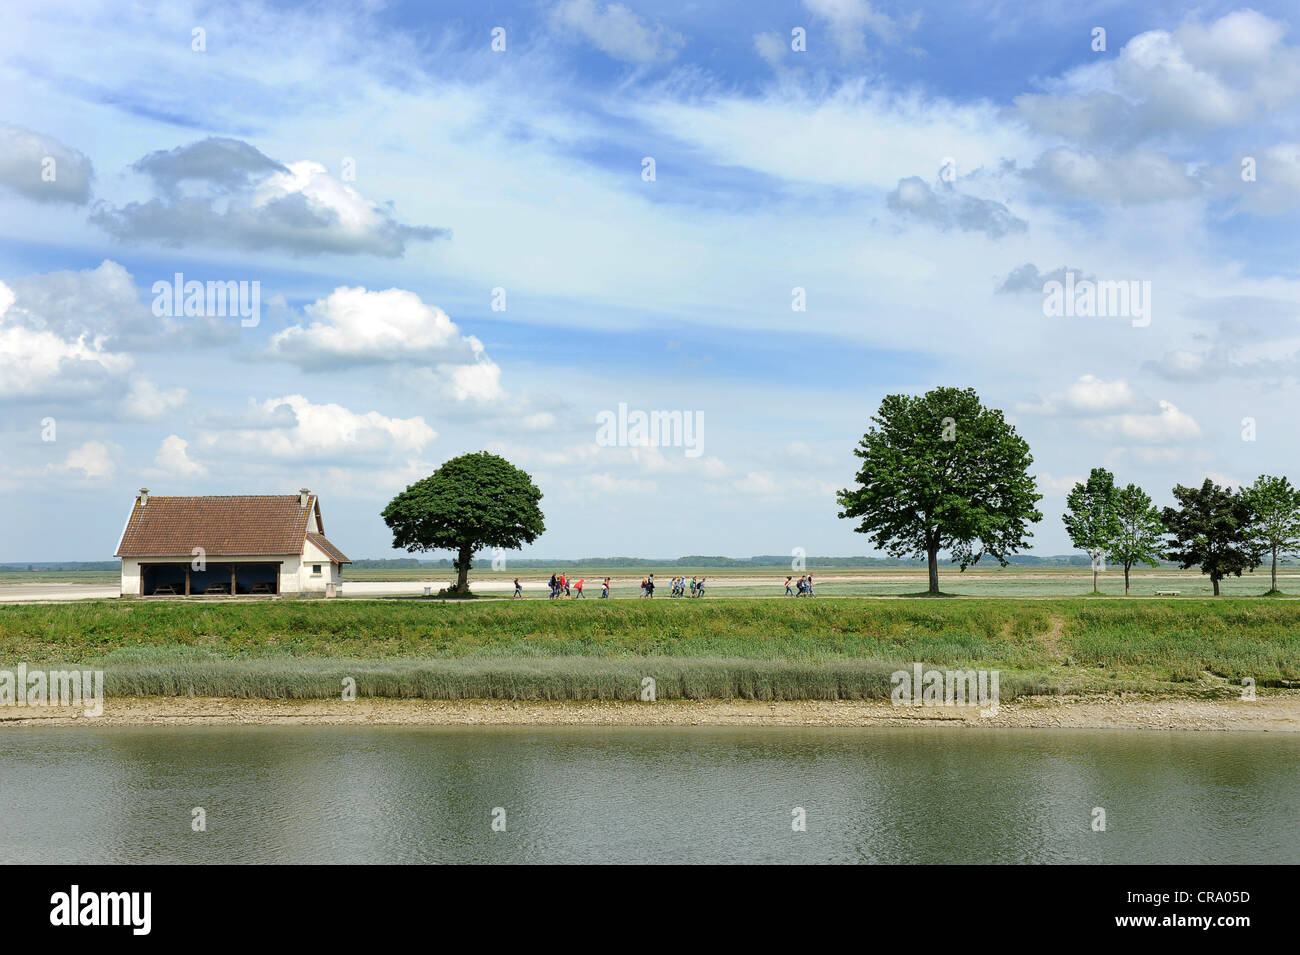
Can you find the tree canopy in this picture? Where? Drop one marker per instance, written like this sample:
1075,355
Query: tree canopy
1211,528
1091,519
473,501
942,471
1275,526
1139,536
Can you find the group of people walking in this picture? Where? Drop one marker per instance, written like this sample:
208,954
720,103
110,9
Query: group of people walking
562,586
678,587
804,585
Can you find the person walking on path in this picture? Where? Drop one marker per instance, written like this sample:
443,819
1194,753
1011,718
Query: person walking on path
604,593
519,590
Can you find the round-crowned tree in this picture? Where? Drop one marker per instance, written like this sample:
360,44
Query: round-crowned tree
473,501
939,471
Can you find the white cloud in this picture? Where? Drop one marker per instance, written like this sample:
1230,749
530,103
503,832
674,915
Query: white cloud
36,363
225,192
173,457
42,168
354,326
319,432
1139,176
851,20
92,459
617,31
1167,426
1092,395
147,401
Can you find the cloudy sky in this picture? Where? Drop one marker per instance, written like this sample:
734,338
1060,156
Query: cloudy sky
459,247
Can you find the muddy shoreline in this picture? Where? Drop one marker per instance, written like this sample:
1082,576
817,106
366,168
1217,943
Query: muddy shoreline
1271,713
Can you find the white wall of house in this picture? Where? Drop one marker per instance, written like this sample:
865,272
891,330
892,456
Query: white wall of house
312,560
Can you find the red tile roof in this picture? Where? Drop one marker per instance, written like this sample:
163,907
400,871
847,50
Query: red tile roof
332,552
224,526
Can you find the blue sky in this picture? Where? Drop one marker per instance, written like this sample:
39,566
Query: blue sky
919,171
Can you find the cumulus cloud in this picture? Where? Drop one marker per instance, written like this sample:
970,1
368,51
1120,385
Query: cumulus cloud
1166,426
104,304
173,458
1198,78
1087,395
36,362
92,459
41,168
225,192
947,208
617,31
354,326
292,428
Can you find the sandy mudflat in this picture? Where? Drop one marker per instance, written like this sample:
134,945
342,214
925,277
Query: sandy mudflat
1272,713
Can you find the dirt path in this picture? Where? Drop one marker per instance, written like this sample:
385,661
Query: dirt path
1272,713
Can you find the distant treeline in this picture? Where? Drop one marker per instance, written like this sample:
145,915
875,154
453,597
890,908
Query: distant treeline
697,560
45,567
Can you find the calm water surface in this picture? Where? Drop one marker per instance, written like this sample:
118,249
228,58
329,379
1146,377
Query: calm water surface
426,795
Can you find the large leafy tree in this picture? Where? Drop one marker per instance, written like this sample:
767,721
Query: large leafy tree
471,502
1139,536
1090,517
1275,529
942,471
1211,528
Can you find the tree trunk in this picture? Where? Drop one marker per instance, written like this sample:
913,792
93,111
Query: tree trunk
1215,580
1094,576
933,554
1126,580
462,570
1274,587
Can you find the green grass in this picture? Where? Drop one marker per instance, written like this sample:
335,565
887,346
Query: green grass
717,648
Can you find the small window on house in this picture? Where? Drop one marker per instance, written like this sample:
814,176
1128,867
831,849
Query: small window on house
315,570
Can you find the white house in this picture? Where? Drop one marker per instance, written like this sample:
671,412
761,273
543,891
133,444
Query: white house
228,544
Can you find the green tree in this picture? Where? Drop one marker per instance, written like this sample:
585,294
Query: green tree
471,502
942,471
1139,538
1090,517
1276,525
1211,528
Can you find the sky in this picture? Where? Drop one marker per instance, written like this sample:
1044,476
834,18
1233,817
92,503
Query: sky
488,226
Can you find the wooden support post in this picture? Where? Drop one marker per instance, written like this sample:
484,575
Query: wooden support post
232,579
187,580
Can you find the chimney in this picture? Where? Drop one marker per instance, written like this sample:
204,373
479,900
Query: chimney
144,496
302,496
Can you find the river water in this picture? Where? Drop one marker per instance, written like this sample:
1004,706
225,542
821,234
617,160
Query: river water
630,794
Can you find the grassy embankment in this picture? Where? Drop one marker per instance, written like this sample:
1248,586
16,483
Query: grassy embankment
714,649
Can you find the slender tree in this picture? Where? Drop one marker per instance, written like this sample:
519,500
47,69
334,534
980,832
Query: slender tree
1276,525
1140,534
1090,518
1211,528
942,471
471,502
